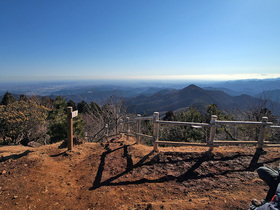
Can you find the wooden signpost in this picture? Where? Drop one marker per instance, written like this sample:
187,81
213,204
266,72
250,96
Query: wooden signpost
70,116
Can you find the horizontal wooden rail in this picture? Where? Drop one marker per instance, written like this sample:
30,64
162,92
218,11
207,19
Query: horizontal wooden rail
234,142
271,145
249,142
143,118
129,134
182,123
183,143
143,135
210,140
274,126
242,122
109,136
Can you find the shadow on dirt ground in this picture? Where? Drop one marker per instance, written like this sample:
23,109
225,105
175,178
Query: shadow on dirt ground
118,174
174,158
14,157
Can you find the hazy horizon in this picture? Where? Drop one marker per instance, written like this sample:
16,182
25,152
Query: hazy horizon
160,78
131,83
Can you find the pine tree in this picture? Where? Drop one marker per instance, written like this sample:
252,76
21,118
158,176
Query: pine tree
72,104
8,99
58,121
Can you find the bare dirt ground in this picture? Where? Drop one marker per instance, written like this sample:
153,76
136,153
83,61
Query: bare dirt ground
122,175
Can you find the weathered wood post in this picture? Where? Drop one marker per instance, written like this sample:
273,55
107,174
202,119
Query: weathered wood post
116,131
121,127
106,132
262,132
138,128
70,116
86,137
70,128
212,131
127,128
156,130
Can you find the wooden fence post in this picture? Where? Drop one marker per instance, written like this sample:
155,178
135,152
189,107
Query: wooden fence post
212,131
262,133
121,127
156,130
106,132
127,128
70,128
86,138
138,128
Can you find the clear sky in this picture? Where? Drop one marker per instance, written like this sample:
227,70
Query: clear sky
139,39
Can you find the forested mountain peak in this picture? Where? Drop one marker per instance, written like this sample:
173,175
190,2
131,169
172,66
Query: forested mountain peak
192,87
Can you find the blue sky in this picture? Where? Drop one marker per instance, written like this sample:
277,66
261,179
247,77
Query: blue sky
139,39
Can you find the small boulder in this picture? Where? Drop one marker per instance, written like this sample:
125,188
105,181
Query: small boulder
34,144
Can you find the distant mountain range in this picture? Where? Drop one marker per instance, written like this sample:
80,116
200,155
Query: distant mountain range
251,87
101,93
133,88
147,97
191,95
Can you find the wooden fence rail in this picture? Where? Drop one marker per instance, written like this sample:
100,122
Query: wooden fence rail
210,142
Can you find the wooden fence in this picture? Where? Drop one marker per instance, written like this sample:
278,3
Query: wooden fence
209,142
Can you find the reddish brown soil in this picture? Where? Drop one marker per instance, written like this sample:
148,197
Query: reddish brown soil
123,175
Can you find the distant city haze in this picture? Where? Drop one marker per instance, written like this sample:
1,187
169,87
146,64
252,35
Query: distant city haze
139,40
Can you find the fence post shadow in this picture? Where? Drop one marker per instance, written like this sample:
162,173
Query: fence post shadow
188,175
254,162
100,170
208,155
97,182
16,156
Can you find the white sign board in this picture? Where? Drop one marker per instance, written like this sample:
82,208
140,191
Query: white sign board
75,114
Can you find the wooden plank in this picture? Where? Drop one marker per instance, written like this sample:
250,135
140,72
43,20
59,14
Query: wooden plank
181,123
143,118
271,145
143,135
182,143
237,141
274,126
197,126
243,122
234,142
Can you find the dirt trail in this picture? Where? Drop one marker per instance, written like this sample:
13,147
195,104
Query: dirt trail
122,175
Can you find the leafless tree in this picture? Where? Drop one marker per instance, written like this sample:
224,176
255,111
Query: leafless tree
263,106
98,116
